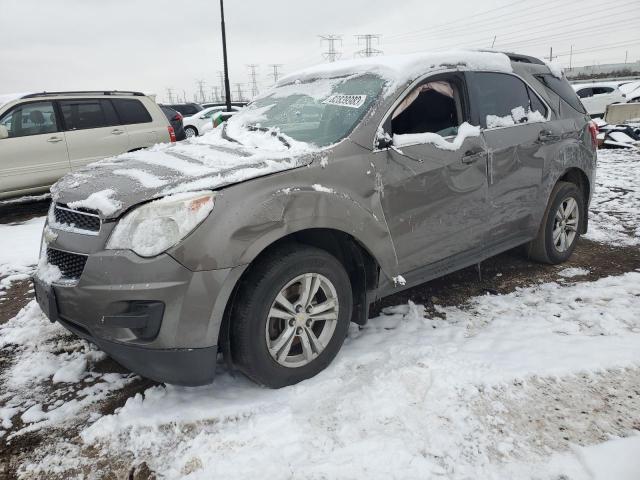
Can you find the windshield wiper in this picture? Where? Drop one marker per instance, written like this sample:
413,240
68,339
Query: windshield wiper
274,133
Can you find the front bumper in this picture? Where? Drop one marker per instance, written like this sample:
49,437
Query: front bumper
154,316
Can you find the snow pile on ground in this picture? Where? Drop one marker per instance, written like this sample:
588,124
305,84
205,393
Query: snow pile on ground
615,207
19,251
45,353
409,396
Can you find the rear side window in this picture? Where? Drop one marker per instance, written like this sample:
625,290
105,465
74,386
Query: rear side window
504,99
84,114
34,118
561,87
585,92
131,111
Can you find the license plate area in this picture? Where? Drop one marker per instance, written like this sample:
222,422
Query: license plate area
46,298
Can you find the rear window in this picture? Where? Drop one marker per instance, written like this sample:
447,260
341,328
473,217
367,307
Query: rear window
131,111
562,88
84,114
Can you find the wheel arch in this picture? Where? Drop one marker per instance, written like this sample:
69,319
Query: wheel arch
578,177
360,264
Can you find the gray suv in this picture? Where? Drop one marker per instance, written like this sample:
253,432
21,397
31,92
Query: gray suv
345,183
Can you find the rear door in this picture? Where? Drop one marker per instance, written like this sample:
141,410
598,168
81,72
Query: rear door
35,153
93,130
516,131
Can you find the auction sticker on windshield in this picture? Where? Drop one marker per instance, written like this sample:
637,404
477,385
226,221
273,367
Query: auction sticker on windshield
353,101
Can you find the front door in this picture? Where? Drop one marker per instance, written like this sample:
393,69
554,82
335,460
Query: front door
35,153
93,130
433,181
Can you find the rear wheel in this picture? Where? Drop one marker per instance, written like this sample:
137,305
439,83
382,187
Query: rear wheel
291,316
190,132
560,228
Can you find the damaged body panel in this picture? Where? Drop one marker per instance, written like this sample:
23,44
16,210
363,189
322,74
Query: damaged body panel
397,171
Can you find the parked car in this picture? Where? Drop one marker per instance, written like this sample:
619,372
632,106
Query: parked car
596,96
45,135
631,90
266,238
175,119
186,109
205,120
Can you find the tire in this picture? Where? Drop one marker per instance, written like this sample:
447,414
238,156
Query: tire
277,351
549,247
190,132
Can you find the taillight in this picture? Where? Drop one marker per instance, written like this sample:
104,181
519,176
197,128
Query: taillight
172,134
593,129
178,117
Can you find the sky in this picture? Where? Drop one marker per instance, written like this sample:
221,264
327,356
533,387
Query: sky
153,45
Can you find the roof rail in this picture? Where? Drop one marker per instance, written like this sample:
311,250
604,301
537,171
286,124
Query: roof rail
517,57
84,92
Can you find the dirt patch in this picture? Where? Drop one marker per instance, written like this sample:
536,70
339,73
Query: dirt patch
21,212
14,298
505,272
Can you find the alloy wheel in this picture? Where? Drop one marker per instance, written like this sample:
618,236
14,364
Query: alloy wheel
302,320
565,224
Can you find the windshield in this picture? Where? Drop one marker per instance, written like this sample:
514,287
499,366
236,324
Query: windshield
319,111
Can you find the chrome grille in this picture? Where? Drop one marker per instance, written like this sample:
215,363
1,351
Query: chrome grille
80,219
71,265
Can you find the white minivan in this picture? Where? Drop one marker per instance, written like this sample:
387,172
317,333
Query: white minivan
43,136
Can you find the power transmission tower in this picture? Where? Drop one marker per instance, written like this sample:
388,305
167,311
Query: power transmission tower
240,92
170,94
332,54
368,50
276,71
215,93
200,84
254,81
184,96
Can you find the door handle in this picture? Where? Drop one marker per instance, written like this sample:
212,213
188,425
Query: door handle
472,157
547,136
54,139
117,131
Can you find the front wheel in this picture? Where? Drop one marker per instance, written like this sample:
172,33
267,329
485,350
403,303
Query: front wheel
561,224
290,316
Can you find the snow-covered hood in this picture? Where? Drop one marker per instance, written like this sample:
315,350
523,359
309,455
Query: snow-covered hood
114,185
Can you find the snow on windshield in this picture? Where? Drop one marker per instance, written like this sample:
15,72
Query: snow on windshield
319,111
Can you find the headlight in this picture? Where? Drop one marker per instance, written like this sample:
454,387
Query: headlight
159,225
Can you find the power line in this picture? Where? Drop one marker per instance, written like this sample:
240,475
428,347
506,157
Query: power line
332,54
254,82
368,50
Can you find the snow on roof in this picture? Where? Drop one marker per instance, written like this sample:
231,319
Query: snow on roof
399,69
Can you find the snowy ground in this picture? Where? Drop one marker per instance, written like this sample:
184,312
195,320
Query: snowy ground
539,379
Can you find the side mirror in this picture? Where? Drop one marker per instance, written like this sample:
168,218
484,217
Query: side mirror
4,133
384,141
